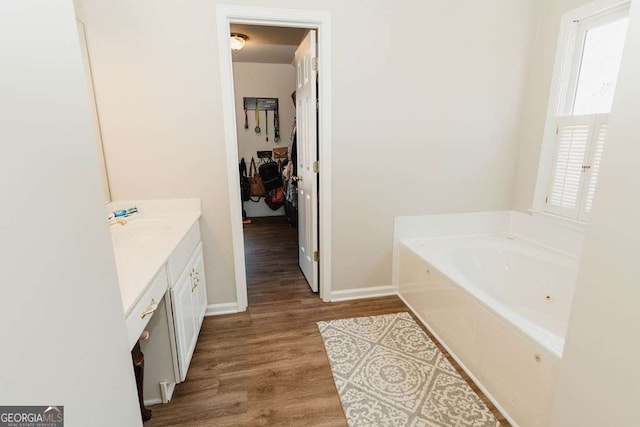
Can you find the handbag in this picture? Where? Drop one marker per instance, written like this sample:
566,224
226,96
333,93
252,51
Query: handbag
256,186
245,187
276,200
270,173
280,152
264,154
278,197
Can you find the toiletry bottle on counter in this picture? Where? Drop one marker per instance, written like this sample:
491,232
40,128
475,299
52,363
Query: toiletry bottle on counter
125,212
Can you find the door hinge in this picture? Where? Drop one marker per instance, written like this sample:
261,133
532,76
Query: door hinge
316,166
557,130
316,256
546,199
314,63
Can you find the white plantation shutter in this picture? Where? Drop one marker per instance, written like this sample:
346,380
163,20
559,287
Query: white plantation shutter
580,142
572,147
591,175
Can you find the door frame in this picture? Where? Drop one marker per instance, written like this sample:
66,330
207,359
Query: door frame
317,20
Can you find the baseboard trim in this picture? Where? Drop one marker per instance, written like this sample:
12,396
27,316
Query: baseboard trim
224,308
351,294
166,390
166,393
151,402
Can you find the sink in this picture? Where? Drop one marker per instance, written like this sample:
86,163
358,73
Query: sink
140,230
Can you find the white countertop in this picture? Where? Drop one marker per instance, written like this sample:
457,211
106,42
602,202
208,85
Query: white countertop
143,245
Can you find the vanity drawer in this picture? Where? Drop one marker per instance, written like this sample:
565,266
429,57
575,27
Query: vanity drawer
182,253
144,308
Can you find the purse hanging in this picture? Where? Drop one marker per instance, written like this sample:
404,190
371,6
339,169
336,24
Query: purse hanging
264,155
270,173
280,152
245,187
256,187
276,200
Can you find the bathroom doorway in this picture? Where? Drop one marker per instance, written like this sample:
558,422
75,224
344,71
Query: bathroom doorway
266,88
265,80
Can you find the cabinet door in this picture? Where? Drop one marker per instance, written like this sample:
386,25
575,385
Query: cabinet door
200,291
182,302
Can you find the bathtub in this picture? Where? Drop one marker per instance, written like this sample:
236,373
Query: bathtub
500,304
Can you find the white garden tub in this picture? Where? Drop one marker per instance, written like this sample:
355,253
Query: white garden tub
500,304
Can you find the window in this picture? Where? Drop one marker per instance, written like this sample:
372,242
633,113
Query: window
582,114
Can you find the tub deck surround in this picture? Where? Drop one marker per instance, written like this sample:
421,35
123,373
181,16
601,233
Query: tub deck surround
541,229
144,244
496,289
527,284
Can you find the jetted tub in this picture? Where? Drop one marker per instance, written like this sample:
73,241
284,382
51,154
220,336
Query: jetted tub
500,304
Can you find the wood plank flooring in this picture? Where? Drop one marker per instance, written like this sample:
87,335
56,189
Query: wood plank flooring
267,366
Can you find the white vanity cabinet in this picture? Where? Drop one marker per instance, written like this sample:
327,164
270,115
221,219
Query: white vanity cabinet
200,293
174,328
188,297
139,317
158,253
188,304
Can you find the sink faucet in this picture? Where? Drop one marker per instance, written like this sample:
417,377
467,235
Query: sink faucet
116,221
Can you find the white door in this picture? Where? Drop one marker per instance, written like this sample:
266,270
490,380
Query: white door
307,135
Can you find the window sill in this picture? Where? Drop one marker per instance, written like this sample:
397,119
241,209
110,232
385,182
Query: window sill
560,221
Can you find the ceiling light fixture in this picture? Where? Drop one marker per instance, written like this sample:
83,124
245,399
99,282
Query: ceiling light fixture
238,41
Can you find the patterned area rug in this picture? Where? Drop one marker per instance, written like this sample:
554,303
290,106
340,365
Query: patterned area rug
389,373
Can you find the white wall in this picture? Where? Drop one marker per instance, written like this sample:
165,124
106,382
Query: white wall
61,320
536,98
263,81
599,383
429,126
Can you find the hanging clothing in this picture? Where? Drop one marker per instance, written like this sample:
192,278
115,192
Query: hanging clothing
291,193
293,147
291,187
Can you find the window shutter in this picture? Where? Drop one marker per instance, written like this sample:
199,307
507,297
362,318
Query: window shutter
595,158
574,135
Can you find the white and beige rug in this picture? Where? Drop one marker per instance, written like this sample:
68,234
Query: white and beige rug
389,373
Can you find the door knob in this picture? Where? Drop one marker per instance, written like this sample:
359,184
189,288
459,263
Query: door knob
296,178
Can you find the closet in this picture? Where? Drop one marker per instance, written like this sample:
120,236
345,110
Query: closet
265,127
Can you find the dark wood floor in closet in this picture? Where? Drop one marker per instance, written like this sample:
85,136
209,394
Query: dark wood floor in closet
267,366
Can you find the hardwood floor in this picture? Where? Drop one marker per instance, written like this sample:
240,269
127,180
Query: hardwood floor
267,366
